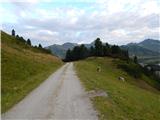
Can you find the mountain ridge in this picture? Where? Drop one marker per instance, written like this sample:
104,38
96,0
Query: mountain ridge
147,47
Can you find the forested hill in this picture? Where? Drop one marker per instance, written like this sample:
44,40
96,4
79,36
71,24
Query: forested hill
146,48
99,49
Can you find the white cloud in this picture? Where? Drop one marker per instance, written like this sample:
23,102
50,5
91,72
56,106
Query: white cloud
116,22
150,7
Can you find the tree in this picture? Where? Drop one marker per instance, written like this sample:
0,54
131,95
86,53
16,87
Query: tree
29,42
17,37
126,54
83,52
91,51
40,46
13,32
78,52
135,59
75,53
108,51
115,49
21,39
98,47
68,55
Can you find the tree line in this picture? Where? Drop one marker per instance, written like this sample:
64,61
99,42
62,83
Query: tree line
99,49
28,43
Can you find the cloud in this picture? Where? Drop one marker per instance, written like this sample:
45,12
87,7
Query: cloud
116,22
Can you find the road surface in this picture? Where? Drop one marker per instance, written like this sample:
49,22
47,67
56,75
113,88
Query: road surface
60,97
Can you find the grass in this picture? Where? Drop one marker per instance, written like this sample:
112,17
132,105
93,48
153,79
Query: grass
23,69
133,99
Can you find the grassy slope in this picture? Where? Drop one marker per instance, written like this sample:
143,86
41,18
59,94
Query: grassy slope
23,69
130,100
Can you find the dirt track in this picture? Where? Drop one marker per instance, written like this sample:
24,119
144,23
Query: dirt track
61,96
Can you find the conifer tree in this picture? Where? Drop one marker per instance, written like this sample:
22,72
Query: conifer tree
29,42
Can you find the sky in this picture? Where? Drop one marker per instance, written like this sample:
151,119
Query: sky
81,21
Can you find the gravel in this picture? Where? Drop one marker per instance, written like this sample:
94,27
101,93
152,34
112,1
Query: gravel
60,97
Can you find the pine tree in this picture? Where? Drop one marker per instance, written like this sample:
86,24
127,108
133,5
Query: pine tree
98,47
91,51
108,51
115,49
40,46
29,42
68,55
135,59
13,32
83,51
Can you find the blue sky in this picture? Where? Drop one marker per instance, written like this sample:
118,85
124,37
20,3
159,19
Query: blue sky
81,21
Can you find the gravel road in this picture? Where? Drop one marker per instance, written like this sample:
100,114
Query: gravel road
60,97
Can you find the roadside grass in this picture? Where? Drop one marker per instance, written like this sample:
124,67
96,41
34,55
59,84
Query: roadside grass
133,99
22,70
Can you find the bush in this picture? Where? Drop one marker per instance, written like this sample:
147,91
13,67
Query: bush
132,69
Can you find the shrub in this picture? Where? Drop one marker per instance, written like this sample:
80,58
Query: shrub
132,69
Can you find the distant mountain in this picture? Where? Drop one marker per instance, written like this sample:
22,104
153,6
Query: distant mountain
150,44
60,50
148,47
139,51
148,51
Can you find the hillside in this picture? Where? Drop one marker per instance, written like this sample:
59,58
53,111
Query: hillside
148,48
153,45
148,51
137,50
23,69
135,98
60,50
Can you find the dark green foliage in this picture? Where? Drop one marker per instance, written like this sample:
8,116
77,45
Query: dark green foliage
35,46
17,36
115,49
21,39
83,52
151,74
13,32
25,44
124,55
40,46
99,49
29,42
78,52
68,55
43,49
135,59
91,51
132,69
107,50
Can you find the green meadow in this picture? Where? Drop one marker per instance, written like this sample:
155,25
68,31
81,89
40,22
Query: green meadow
23,69
133,99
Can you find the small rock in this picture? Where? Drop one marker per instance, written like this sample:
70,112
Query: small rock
121,78
96,93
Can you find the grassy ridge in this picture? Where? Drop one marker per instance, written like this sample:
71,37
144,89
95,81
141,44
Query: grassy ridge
130,100
23,69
